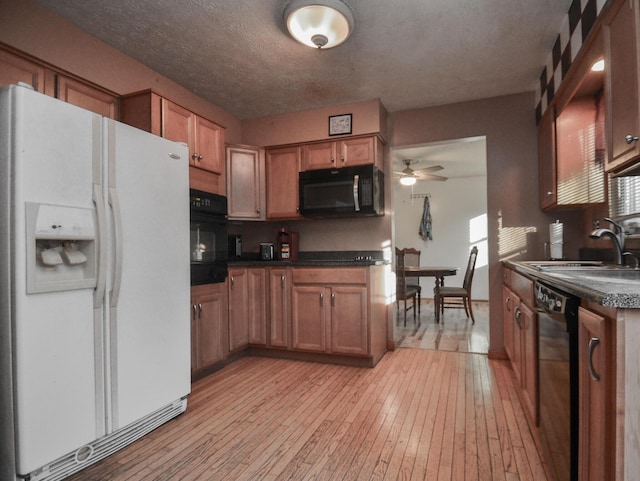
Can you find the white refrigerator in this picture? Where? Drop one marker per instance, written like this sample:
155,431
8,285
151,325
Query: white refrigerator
94,285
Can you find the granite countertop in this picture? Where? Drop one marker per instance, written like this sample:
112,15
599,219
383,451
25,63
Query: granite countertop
618,288
316,259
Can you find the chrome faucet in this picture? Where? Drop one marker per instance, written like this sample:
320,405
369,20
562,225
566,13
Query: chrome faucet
616,236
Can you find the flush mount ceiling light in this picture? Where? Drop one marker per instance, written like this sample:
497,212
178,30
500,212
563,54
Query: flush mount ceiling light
319,23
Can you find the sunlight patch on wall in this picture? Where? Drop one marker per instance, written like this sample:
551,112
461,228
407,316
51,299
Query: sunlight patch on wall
512,240
478,237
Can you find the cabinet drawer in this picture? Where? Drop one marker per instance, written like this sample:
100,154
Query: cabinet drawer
326,275
522,286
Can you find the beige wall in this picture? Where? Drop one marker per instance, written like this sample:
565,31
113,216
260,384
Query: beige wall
368,117
37,32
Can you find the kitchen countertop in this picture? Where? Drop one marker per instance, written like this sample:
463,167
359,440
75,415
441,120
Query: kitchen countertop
317,259
608,289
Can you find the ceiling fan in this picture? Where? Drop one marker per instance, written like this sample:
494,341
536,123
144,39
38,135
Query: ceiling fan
409,176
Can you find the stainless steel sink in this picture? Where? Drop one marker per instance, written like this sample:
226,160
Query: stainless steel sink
546,265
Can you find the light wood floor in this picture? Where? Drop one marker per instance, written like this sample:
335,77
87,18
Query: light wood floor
454,332
419,415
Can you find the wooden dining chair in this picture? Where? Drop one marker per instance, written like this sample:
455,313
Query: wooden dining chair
412,258
403,291
458,297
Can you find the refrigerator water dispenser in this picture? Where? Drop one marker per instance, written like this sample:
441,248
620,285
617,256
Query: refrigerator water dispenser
61,248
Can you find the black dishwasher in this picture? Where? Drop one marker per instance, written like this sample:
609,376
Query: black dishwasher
558,379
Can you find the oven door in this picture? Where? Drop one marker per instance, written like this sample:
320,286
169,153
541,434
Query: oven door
208,249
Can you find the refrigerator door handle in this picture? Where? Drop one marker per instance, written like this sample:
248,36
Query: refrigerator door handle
98,294
117,223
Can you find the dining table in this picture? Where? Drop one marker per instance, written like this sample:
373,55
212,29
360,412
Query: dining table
439,272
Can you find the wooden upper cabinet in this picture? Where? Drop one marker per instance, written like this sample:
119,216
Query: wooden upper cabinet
320,155
14,69
547,159
282,167
245,182
87,97
205,139
342,153
622,72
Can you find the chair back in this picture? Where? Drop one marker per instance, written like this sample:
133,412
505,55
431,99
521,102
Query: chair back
401,280
411,256
468,276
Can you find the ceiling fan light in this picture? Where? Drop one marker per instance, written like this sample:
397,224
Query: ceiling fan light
408,180
319,23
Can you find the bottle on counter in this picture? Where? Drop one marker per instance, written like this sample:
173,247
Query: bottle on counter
284,245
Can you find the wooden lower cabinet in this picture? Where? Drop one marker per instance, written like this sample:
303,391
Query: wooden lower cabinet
208,325
247,307
279,307
520,330
596,454
329,311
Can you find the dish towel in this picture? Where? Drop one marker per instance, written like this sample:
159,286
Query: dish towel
425,223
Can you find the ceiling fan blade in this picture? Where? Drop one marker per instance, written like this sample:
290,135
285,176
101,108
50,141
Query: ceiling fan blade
428,170
432,177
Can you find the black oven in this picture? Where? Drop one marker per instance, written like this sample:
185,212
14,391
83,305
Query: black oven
209,245
558,379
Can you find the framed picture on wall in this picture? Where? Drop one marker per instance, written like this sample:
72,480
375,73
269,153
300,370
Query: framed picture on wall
340,124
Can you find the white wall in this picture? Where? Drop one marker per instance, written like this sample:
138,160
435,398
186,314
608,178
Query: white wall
453,204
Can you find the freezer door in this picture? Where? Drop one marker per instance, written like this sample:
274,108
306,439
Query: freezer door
54,150
148,292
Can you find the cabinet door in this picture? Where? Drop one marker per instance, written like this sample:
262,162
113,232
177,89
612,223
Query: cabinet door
595,409
208,150
238,308
319,156
309,318
245,182
177,125
257,306
279,288
508,319
359,151
14,69
529,325
516,360
210,333
547,159
349,320
283,165
623,109
87,97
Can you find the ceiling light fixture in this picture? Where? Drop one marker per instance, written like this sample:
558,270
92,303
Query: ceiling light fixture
408,180
319,23
598,66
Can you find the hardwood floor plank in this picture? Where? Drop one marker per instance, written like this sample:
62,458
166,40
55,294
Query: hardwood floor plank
419,415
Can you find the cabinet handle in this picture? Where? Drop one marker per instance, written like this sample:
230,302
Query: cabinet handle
333,298
282,281
258,210
194,156
631,138
195,312
342,158
232,281
200,311
549,192
593,343
508,303
322,298
517,316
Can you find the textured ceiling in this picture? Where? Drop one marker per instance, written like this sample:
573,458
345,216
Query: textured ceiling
408,53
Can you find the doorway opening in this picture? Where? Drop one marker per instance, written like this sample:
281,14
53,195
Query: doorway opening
458,212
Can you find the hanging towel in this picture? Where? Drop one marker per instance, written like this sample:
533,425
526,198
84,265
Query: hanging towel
425,223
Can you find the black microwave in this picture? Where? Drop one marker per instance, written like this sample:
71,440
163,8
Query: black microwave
346,192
